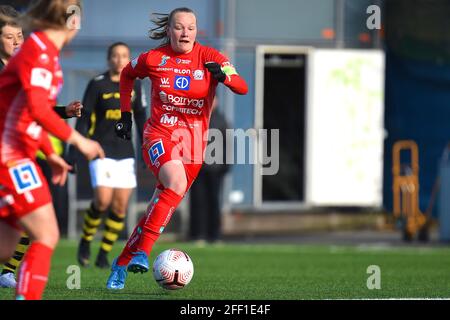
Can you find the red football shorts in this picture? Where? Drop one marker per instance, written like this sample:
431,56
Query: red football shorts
23,189
156,151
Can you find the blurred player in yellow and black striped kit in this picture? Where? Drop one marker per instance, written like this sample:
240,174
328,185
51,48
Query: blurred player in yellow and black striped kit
113,178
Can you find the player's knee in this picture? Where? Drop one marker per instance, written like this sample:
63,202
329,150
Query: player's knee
50,238
3,258
119,207
6,254
101,204
178,185
119,210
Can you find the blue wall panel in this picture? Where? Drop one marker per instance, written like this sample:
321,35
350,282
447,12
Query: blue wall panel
417,108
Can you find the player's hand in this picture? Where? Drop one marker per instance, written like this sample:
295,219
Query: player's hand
91,149
124,125
59,169
216,71
73,109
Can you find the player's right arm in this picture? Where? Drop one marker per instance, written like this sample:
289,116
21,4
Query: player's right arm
36,82
137,68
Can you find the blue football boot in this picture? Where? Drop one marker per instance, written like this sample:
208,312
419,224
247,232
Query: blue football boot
116,280
139,263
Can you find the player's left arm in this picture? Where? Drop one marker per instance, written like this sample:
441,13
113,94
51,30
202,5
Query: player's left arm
223,71
57,164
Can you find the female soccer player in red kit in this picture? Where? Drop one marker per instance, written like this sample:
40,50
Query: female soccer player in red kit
29,85
184,76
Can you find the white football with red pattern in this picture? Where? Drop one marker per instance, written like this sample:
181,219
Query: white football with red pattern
173,269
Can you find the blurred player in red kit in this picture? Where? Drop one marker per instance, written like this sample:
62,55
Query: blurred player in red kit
29,85
184,76
11,39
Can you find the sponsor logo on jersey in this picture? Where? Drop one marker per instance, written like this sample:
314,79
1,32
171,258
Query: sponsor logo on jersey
198,74
25,177
182,71
111,95
183,101
113,114
182,82
182,61
165,83
43,58
163,97
168,120
34,130
192,111
41,77
189,125
163,61
164,69
180,101
156,151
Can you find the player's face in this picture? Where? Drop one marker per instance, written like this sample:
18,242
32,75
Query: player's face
120,56
183,32
11,39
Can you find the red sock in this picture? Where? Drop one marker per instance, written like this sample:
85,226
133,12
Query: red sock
127,252
133,241
150,226
33,274
158,218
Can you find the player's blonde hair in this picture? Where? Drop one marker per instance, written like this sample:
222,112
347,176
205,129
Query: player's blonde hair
49,14
162,22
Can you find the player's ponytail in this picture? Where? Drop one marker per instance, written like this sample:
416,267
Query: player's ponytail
162,21
51,14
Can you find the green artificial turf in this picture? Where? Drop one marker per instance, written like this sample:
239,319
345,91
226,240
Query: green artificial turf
262,272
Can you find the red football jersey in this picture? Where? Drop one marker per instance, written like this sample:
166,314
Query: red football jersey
182,88
29,85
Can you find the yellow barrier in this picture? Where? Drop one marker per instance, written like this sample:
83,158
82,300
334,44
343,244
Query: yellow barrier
406,191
